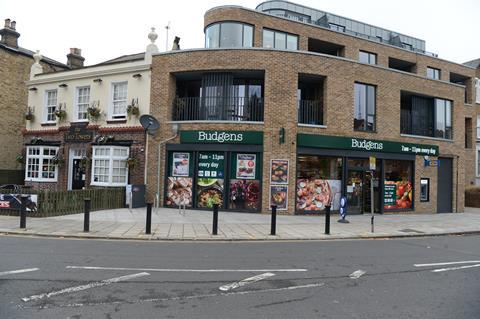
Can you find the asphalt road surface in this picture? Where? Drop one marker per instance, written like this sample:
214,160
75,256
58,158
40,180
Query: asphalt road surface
436,277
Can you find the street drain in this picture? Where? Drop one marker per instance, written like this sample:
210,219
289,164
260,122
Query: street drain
409,230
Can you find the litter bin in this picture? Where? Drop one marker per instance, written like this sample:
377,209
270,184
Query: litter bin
137,192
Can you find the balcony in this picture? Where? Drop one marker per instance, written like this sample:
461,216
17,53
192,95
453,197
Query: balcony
310,112
241,109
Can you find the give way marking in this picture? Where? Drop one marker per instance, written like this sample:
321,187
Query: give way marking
18,271
246,281
84,287
451,263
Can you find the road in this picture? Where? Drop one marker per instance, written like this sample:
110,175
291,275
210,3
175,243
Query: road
60,278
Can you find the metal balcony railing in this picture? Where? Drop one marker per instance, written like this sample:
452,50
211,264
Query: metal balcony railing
249,109
310,112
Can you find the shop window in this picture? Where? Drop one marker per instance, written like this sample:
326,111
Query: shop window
319,182
244,183
40,165
109,165
398,186
50,105
424,189
119,100
82,102
364,107
180,179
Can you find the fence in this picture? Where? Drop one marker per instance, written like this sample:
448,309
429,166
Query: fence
56,203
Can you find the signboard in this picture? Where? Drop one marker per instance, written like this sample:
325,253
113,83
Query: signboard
373,163
279,171
222,137
78,134
431,163
279,196
389,194
361,144
12,201
211,164
245,166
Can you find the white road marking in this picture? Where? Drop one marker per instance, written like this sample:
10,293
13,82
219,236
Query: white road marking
357,274
185,270
246,281
84,287
18,271
455,268
448,263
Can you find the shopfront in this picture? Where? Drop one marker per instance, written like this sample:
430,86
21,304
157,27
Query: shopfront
329,167
215,167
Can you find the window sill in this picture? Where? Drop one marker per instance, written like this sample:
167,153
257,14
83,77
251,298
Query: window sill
48,124
79,121
107,184
311,125
41,180
363,131
428,138
116,121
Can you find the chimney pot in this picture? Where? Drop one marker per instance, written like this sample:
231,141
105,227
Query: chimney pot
13,25
7,23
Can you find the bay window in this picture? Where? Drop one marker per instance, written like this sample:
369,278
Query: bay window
40,165
109,165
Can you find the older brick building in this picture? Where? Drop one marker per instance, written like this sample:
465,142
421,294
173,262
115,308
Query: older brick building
15,63
292,106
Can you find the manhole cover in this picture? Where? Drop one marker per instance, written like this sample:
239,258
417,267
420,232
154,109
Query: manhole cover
409,230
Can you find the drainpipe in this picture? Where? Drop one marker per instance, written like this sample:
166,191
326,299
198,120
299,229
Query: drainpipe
175,132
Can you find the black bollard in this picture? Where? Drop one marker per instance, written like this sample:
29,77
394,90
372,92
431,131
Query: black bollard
215,220
273,228
148,227
327,220
23,211
86,216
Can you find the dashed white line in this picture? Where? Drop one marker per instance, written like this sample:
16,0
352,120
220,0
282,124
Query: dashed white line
84,287
455,268
246,281
357,274
448,263
185,270
18,271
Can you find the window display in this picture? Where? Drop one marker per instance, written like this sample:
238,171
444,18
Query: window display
398,190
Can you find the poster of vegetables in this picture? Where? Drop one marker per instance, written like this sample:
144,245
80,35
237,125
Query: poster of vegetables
314,194
179,190
402,197
279,171
246,166
245,194
279,196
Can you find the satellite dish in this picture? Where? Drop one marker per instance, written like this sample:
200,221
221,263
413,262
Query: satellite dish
149,123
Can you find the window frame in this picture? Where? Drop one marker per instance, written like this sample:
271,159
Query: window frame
285,34
374,129
41,159
113,115
219,24
77,104
478,161
369,57
448,104
46,107
110,159
437,73
477,91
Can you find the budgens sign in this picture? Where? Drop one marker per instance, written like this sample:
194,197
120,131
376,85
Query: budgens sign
361,144
222,137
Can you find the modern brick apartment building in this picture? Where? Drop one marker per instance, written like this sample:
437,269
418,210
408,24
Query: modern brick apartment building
15,63
292,106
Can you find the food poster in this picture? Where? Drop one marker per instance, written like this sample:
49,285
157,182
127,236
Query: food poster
314,194
279,196
181,164
245,194
179,191
246,164
279,171
397,195
210,179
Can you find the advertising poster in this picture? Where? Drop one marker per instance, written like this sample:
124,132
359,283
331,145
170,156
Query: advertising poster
13,201
210,165
279,171
181,164
246,166
314,194
279,196
397,195
179,191
245,194
209,192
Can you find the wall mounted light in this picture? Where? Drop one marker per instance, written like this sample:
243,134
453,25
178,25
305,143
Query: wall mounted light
33,89
63,85
99,81
137,76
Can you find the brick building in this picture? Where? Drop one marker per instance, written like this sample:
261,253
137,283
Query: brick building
84,130
292,106
15,63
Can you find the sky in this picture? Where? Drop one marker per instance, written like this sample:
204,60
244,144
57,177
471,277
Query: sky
108,29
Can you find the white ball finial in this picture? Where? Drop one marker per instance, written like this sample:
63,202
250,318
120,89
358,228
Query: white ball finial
37,57
153,35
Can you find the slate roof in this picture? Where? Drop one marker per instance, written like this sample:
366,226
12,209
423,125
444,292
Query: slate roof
30,54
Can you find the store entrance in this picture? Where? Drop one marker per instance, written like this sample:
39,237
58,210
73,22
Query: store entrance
359,199
355,196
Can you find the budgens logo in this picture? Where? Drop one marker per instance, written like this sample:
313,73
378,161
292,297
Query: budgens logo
367,145
219,137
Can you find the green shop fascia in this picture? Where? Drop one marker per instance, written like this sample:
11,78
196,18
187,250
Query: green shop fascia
215,167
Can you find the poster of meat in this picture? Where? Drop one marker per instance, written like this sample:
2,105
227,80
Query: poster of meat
13,201
314,194
279,171
181,164
279,196
179,191
245,194
246,166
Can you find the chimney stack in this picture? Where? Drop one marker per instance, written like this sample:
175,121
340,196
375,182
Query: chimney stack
9,34
75,59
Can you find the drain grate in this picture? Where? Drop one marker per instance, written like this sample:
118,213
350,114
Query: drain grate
409,230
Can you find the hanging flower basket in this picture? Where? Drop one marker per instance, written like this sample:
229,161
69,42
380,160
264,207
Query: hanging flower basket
29,116
133,110
93,112
61,114
132,162
57,160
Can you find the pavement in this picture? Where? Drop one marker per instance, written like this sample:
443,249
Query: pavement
169,224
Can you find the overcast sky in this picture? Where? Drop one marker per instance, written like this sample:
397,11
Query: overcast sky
107,29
